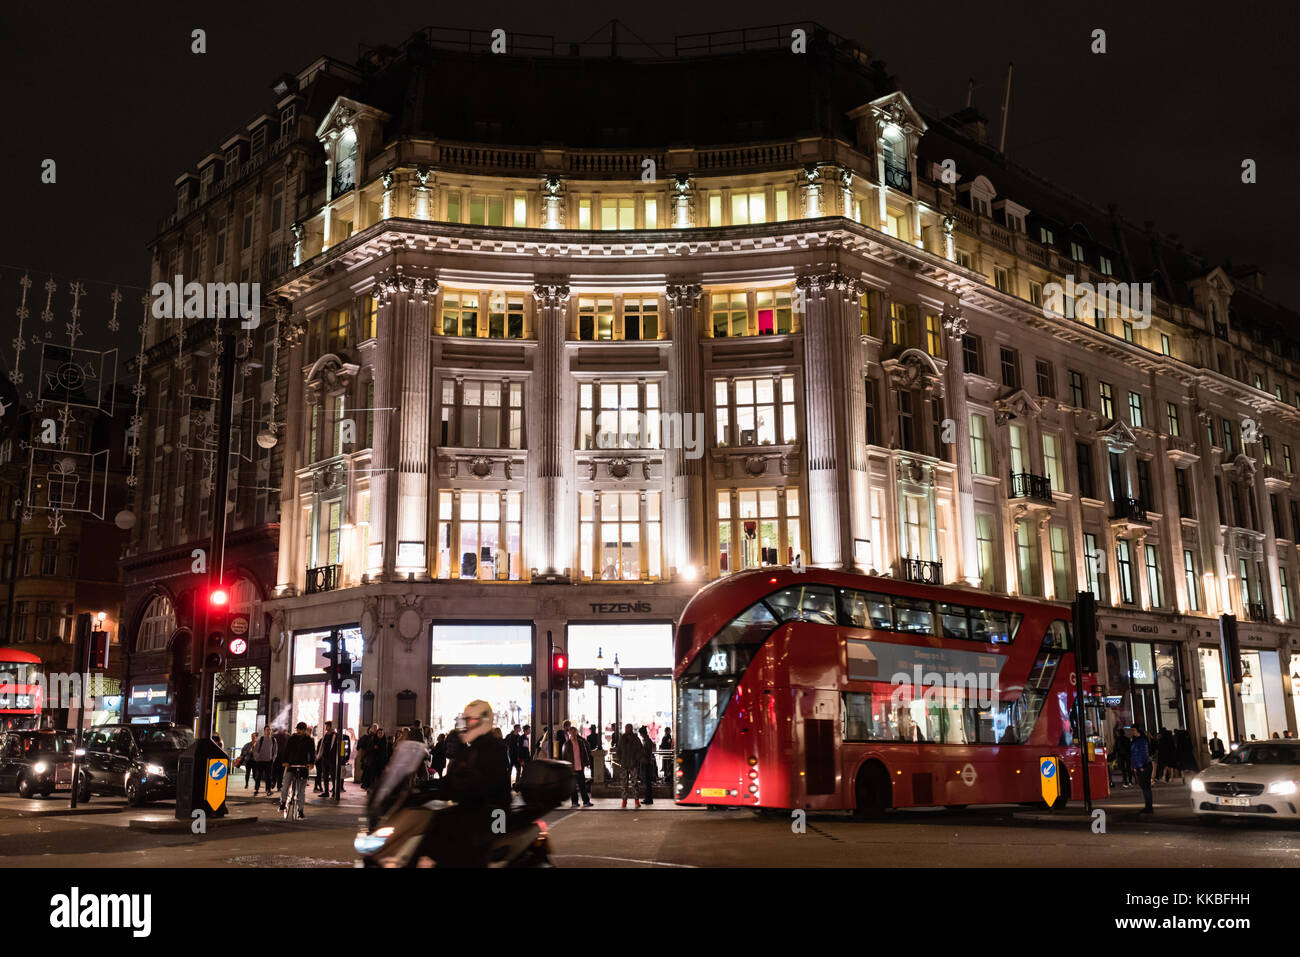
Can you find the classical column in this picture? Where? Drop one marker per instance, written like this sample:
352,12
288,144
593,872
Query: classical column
1176,587
404,303
954,327
686,507
1264,508
826,434
1213,558
291,441
552,537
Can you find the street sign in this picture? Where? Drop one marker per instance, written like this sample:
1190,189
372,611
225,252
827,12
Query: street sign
1049,776
238,646
214,782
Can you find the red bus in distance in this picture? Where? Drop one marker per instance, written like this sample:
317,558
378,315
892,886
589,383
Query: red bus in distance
838,691
20,701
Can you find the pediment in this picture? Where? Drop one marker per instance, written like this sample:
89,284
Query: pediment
1118,435
345,113
1018,405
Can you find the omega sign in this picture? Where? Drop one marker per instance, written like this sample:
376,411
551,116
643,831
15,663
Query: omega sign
620,607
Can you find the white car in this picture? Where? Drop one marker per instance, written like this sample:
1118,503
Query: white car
1260,779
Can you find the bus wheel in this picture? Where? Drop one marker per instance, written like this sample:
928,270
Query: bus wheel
872,792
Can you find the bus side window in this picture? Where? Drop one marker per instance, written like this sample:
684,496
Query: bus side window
785,603
915,616
878,610
952,618
818,605
990,626
1057,636
853,608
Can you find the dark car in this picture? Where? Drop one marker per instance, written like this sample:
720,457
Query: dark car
135,760
36,762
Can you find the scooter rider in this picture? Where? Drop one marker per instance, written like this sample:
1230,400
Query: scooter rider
478,780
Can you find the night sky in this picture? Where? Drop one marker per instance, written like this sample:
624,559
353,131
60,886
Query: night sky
1158,125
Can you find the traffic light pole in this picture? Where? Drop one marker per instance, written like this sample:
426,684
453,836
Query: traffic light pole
217,551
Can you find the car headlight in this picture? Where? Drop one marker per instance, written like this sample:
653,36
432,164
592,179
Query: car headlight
155,769
1198,785
40,767
1282,787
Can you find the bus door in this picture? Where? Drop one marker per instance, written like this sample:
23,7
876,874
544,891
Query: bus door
818,711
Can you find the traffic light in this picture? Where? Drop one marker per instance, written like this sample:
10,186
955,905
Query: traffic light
559,666
344,669
332,669
214,648
99,650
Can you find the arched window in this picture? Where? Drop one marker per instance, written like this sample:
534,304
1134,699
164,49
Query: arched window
156,625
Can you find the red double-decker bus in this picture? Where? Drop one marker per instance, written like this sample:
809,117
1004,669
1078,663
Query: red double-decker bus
20,698
830,690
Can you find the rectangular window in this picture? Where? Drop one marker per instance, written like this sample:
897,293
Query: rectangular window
762,528
488,415
906,422
1135,410
1124,563
640,317
867,314
1288,462
1126,329
1267,446
618,415
984,546
1060,563
933,338
970,350
1164,345
1087,482
286,120
49,556
1285,588
1193,580
1025,558
979,445
748,206
1229,446
1146,497
1001,279
1107,393
1076,250
596,318
1183,487
1104,266
873,414
900,325
1010,368
755,411
1018,447
1046,378
1078,392
520,217
1036,293
1175,423
480,535
1091,564
1154,589
1052,460
459,313
1275,509
453,206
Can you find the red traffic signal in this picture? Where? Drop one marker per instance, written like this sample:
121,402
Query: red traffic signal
559,663
219,598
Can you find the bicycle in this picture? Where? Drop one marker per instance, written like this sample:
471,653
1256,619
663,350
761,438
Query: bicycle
295,781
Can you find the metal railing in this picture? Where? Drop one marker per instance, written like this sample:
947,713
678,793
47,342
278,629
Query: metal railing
1132,510
1029,485
922,572
323,578
1256,611
898,177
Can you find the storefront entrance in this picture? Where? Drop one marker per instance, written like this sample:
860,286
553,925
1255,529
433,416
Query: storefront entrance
1263,703
1148,681
313,701
490,662
641,655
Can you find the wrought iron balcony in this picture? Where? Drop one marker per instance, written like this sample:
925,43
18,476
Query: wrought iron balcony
898,177
342,184
323,578
1130,509
922,572
1256,611
1029,485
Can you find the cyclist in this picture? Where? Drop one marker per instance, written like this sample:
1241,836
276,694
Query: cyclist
298,756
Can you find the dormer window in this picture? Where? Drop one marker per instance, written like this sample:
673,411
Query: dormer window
259,140
893,149
1106,267
1046,237
232,156
205,182
1076,250
287,116
345,167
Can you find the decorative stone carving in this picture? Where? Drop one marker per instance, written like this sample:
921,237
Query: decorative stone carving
821,284
910,470
682,294
954,323
551,295
913,369
1018,405
481,466
619,468
755,464
369,622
